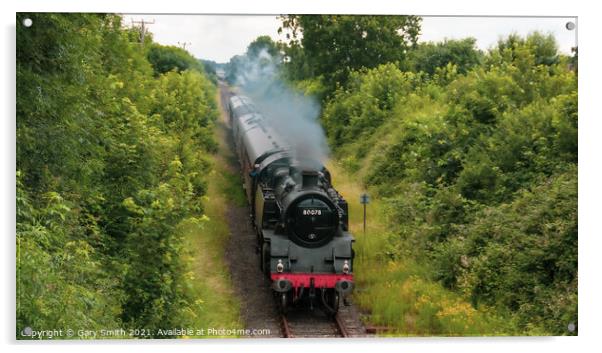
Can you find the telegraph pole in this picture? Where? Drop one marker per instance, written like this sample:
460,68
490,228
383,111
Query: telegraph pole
184,44
142,24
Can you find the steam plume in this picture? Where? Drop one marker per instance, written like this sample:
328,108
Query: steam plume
293,115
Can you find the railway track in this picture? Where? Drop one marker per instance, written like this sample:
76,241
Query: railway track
328,328
305,323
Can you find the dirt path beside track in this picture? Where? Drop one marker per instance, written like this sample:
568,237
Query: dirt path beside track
258,310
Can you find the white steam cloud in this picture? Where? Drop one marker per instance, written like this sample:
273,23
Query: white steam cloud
293,115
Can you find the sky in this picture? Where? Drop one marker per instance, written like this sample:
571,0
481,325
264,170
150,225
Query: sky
219,37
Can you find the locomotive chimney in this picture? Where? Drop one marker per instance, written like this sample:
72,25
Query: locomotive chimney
310,178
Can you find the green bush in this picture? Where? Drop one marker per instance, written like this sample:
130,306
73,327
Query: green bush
521,255
358,110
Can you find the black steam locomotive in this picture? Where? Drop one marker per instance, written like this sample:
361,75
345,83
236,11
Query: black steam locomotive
300,219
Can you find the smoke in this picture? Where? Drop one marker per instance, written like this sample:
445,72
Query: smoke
293,115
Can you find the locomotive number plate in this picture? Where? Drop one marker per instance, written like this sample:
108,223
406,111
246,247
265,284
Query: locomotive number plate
312,212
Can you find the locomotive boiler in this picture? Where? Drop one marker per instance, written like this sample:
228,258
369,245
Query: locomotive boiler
300,219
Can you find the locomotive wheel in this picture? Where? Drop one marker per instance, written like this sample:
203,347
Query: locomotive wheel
332,301
283,303
335,301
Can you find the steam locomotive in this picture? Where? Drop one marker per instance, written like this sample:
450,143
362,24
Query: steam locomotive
301,221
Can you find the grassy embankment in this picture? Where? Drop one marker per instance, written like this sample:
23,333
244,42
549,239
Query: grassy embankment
401,294
220,307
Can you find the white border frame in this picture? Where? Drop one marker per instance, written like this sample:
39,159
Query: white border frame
589,190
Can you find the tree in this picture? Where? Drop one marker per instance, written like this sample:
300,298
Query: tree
428,57
543,48
167,58
262,43
233,67
335,45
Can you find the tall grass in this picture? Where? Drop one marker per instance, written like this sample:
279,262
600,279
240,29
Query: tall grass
218,306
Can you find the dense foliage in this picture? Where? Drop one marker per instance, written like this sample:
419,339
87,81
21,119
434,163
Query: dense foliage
331,46
474,156
168,58
478,166
428,57
111,146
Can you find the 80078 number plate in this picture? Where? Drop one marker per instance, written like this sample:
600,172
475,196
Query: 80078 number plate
312,212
